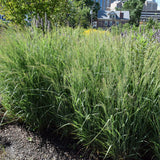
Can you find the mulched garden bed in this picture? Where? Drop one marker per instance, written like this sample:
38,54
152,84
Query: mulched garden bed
17,143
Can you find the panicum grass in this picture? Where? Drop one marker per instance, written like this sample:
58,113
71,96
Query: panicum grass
102,89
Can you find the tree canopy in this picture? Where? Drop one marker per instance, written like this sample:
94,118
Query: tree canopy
73,12
16,11
135,7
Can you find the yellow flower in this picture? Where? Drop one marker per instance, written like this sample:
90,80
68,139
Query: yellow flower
91,31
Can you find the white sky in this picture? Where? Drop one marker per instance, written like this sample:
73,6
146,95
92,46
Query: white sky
158,1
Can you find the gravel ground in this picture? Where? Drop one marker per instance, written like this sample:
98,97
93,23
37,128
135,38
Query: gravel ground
16,143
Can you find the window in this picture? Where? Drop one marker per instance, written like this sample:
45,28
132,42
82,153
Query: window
112,16
106,23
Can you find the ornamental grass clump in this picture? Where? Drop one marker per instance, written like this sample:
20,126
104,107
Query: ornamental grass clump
102,90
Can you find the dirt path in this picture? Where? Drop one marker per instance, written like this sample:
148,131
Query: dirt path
16,143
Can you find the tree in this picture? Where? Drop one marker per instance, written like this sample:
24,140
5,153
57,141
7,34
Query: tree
135,7
16,11
62,12
81,12
77,14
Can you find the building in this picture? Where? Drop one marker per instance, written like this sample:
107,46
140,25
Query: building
104,4
150,5
150,11
109,18
146,15
115,5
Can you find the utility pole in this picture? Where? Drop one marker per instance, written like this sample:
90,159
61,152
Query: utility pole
91,13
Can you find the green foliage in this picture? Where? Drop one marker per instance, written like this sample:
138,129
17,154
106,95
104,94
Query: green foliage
61,12
16,11
81,12
152,24
102,89
135,7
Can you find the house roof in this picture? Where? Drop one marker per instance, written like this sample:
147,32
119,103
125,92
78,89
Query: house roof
103,14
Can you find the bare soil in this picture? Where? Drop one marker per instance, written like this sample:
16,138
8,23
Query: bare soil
17,143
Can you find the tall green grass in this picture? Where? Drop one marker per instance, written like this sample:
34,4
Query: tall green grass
102,89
